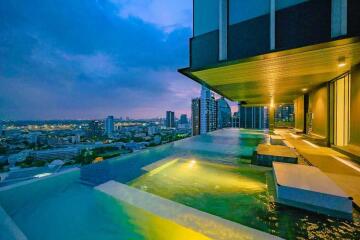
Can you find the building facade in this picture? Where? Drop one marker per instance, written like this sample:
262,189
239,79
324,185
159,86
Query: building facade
170,119
275,52
94,129
195,116
208,117
223,113
252,117
109,126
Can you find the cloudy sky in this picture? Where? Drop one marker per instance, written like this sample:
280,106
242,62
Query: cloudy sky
86,59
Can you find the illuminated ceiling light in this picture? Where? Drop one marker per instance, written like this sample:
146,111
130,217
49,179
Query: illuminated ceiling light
304,89
342,62
272,105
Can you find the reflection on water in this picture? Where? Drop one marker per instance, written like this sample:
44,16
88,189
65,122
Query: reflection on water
146,225
75,211
242,194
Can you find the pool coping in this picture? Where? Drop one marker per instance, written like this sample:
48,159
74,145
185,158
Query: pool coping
24,183
183,215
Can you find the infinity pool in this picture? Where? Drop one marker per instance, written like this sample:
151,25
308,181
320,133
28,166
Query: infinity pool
211,174
61,208
242,194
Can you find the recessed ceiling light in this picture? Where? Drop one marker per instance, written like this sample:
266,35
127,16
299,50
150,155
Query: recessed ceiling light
341,62
304,89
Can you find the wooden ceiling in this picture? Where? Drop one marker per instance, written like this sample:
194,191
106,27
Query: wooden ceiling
280,77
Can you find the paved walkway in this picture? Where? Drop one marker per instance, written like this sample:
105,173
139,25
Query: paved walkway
344,172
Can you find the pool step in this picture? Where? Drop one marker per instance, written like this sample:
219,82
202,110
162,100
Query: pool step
209,225
308,188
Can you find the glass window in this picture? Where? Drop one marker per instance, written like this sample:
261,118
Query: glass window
206,16
242,10
281,4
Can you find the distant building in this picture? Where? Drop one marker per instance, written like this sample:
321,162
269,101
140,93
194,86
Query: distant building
223,113
170,119
207,111
33,137
183,119
152,130
284,115
252,117
94,129
109,126
75,139
195,116
1,128
183,122
53,154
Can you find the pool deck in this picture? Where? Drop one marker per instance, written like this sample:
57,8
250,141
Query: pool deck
209,225
340,168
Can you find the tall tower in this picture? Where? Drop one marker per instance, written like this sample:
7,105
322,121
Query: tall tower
195,116
223,113
207,111
109,126
170,119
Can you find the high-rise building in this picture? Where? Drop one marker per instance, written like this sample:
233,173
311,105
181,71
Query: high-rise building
249,117
1,129
284,115
207,111
183,119
109,126
170,119
94,128
183,122
195,116
223,113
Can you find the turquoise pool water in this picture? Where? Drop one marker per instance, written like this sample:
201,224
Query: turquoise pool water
242,194
63,207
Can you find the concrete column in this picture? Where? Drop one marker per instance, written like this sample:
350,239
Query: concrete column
223,29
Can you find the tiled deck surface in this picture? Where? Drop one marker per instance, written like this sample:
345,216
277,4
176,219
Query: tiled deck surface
344,172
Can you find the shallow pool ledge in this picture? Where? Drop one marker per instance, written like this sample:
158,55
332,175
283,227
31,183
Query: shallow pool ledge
204,223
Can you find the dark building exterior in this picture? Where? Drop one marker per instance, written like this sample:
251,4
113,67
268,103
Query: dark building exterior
252,117
183,119
195,116
223,113
94,129
170,119
284,115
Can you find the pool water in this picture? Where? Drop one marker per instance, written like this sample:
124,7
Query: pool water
70,210
242,194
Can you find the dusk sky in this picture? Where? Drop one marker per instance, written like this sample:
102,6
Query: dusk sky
86,59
